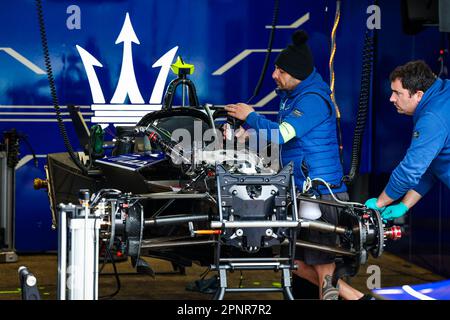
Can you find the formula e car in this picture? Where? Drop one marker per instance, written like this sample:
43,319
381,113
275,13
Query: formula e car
164,192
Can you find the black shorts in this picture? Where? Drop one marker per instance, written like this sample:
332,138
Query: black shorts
329,215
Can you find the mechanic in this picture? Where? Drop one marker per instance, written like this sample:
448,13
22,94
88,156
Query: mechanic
307,134
419,93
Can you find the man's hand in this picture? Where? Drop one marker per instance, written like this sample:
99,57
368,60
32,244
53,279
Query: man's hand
394,211
239,110
372,204
241,134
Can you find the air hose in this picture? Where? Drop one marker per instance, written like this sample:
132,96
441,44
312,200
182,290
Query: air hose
51,82
364,96
269,51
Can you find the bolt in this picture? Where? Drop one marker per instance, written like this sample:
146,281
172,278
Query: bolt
31,281
283,203
224,203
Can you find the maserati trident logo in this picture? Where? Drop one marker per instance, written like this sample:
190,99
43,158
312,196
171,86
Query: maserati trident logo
117,112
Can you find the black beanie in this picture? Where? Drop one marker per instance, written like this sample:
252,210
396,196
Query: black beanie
297,59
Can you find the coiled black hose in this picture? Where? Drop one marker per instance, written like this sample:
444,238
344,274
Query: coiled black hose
364,96
51,82
269,51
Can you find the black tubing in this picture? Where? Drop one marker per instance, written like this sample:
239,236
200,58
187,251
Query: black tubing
51,82
364,96
269,51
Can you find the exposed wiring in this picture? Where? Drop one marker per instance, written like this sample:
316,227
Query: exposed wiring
307,185
116,274
96,196
24,138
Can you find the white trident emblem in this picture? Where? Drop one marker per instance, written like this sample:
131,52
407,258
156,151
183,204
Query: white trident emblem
117,112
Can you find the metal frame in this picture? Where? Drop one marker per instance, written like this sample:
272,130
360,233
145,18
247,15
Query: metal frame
285,263
78,247
7,209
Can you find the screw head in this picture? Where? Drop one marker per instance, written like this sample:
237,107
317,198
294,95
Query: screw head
31,281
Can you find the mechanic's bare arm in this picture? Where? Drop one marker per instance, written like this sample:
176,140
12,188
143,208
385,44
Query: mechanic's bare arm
411,198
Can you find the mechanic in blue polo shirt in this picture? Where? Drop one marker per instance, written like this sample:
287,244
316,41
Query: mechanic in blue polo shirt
306,130
417,92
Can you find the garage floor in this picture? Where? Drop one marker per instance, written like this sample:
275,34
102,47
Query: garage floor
169,286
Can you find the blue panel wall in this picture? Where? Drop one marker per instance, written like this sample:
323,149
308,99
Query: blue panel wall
209,34
427,241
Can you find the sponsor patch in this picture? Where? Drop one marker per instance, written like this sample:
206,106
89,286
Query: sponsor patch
297,113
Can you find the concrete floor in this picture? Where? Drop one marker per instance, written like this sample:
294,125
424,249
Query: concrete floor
394,272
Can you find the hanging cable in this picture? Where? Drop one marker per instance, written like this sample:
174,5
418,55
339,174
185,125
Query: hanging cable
116,275
333,52
363,108
269,51
337,18
51,82
308,184
24,138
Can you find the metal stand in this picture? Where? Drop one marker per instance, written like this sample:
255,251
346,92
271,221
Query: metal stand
28,284
78,247
256,212
275,264
7,212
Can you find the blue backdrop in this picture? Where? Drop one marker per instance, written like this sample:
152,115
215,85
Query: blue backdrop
210,34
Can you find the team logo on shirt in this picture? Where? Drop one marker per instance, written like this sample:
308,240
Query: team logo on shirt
415,134
297,113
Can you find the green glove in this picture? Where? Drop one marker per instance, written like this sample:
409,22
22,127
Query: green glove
372,204
394,211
